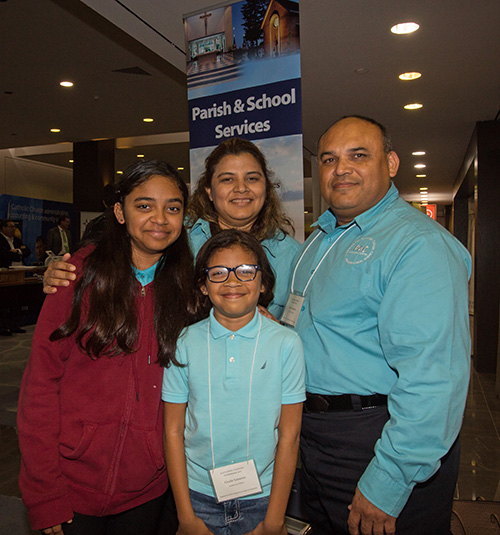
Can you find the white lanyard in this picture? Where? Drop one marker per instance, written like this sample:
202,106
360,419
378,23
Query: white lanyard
320,262
249,390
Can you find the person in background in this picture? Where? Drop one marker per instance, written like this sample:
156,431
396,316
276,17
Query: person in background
235,191
379,297
12,249
90,417
95,228
40,249
58,238
12,253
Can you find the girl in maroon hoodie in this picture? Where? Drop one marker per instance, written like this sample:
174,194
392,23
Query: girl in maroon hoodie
90,416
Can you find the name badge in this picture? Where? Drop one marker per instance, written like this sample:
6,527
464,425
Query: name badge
292,310
235,480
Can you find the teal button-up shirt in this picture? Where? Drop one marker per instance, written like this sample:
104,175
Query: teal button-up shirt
280,250
387,312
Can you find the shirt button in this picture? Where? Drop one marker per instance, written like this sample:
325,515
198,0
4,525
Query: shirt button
231,359
232,337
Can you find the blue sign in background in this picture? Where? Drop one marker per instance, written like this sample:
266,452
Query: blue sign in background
34,217
259,112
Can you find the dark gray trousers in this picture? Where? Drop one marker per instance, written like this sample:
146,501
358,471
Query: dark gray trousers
335,449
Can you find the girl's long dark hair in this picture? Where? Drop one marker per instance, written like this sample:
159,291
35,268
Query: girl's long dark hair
108,287
226,239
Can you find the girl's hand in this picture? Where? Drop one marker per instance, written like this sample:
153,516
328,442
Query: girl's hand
56,530
58,274
193,527
263,529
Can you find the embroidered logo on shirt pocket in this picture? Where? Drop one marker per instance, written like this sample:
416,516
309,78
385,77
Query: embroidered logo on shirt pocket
360,251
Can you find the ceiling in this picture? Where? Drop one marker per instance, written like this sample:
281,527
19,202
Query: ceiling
350,65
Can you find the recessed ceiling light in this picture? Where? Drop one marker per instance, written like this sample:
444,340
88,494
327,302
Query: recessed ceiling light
119,172
419,165
418,153
148,120
140,156
423,189
180,169
420,176
71,161
55,130
362,70
405,27
410,75
66,83
414,106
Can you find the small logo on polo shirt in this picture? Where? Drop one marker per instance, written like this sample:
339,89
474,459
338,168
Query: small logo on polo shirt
360,251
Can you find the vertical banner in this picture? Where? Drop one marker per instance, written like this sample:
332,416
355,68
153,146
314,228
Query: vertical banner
244,81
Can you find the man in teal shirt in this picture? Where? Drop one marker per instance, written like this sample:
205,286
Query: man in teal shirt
380,300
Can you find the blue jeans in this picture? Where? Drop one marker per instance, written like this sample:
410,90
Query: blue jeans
234,517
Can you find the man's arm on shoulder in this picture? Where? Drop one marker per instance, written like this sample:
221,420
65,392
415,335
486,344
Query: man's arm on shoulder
424,333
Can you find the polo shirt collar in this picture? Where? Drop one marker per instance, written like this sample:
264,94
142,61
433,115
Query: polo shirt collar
328,222
145,276
250,330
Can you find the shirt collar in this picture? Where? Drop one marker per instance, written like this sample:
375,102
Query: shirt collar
203,226
145,276
328,222
250,330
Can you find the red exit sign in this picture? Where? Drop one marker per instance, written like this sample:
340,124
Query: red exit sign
430,210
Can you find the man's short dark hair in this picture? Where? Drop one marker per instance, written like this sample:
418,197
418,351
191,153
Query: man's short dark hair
62,218
5,222
386,138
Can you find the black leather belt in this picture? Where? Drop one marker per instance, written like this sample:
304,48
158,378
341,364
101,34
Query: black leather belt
344,402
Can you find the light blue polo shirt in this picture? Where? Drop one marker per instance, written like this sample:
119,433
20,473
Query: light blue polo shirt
278,378
145,276
280,250
387,312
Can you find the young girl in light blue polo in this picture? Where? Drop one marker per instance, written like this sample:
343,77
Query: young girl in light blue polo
233,412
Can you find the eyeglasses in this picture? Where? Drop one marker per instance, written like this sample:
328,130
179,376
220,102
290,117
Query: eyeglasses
243,272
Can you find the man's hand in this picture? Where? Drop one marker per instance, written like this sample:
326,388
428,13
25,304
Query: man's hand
366,519
58,274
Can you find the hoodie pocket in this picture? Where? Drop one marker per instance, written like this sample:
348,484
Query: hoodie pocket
142,460
86,458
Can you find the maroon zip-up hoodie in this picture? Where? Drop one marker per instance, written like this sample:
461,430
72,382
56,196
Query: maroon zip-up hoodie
90,431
